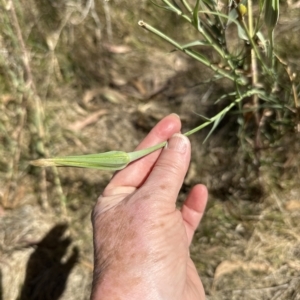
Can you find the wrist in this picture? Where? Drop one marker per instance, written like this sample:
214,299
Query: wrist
124,286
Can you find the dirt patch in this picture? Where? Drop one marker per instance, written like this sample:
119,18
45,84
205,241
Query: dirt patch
103,86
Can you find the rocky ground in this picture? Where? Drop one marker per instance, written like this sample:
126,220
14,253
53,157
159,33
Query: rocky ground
103,88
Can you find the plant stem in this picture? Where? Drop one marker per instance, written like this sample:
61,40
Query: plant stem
214,118
35,107
192,53
254,48
177,11
210,121
187,6
222,112
206,34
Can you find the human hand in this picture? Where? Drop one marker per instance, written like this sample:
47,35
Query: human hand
141,241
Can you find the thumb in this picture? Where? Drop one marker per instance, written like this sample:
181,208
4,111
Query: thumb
169,171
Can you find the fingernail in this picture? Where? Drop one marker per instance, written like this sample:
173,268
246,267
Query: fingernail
175,115
178,143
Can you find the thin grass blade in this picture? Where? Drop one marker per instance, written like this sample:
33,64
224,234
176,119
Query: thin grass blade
216,123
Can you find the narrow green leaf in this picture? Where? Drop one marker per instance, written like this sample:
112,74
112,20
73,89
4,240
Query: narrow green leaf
225,96
271,13
163,7
216,123
233,15
196,19
262,39
241,33
205,118
195,43
210,2
202,57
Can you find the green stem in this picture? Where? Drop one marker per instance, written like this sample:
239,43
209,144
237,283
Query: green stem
141,153
177,11
192,53
253,45
117,160
207,35
221,113
271,47
144,152
187,6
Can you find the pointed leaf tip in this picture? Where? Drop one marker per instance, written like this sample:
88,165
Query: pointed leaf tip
42,163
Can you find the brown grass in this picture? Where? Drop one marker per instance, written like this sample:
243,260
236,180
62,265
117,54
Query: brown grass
103,83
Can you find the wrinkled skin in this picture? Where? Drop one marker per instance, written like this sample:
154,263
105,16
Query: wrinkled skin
141,240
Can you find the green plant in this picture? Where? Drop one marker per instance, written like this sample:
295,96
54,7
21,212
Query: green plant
271,97
253,67
117,160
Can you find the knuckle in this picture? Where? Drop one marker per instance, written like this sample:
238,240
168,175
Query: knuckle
169,165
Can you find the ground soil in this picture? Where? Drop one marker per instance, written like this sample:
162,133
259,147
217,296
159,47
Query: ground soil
100,98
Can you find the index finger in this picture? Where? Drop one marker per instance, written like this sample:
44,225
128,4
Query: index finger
136,173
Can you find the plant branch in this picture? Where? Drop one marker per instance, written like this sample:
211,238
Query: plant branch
222,112
194,54
195,21
117,160
177,11
35,106
187,6
254,75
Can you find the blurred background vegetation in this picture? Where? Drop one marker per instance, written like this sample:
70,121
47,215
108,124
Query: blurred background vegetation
82,77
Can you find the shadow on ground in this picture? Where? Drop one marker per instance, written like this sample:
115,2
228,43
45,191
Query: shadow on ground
46,271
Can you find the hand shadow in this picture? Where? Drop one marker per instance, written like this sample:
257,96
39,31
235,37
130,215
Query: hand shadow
46,274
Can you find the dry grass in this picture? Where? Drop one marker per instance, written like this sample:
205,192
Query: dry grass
103,83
